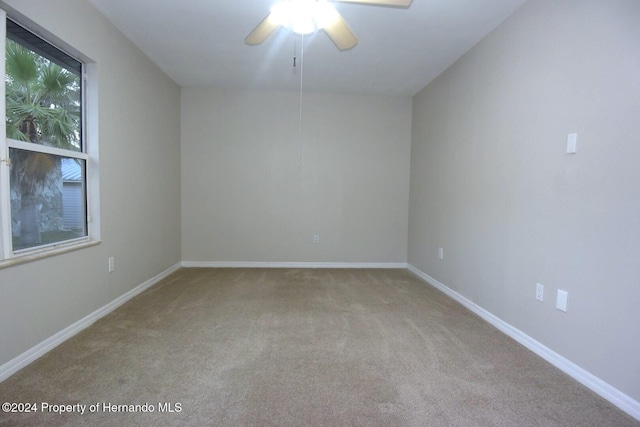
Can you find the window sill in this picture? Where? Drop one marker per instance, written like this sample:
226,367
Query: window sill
34,256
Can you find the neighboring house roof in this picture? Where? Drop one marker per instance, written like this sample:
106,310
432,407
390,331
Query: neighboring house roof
71,170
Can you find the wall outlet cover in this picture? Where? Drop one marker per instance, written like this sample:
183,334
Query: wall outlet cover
539,292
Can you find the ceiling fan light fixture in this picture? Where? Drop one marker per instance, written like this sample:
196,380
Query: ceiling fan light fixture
325,14
304,16
308,16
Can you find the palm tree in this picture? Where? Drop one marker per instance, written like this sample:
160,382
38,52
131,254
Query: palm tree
42,107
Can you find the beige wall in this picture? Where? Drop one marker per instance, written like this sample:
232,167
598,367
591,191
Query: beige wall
245,198
492,184
139,131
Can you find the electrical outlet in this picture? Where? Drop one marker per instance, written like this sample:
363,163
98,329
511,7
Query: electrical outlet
441,253
316,239
112,264
539,292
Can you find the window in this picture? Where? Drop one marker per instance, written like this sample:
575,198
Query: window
44,185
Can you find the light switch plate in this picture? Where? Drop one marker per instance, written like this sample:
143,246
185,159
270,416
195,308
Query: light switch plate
561,302
572,143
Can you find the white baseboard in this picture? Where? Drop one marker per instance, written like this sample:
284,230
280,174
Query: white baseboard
232,264
19,362
610,393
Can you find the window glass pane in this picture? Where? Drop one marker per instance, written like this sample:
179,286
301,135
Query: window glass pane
43,99
47,198
18,33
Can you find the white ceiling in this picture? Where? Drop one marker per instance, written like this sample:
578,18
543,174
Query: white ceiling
201,43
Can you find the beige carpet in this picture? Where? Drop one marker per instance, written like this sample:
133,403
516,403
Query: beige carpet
291,347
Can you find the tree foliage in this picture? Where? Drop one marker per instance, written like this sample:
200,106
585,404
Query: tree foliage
42,107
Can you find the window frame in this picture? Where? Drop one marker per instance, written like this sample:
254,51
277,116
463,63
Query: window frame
88,153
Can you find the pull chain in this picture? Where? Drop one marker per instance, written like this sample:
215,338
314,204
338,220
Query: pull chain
294,52
301,100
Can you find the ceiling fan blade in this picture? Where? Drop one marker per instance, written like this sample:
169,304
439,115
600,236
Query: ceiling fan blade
262,31
340,34
390,3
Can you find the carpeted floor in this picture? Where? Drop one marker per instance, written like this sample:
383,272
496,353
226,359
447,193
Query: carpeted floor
295,347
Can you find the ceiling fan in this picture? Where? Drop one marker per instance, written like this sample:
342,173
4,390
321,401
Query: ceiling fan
307,16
